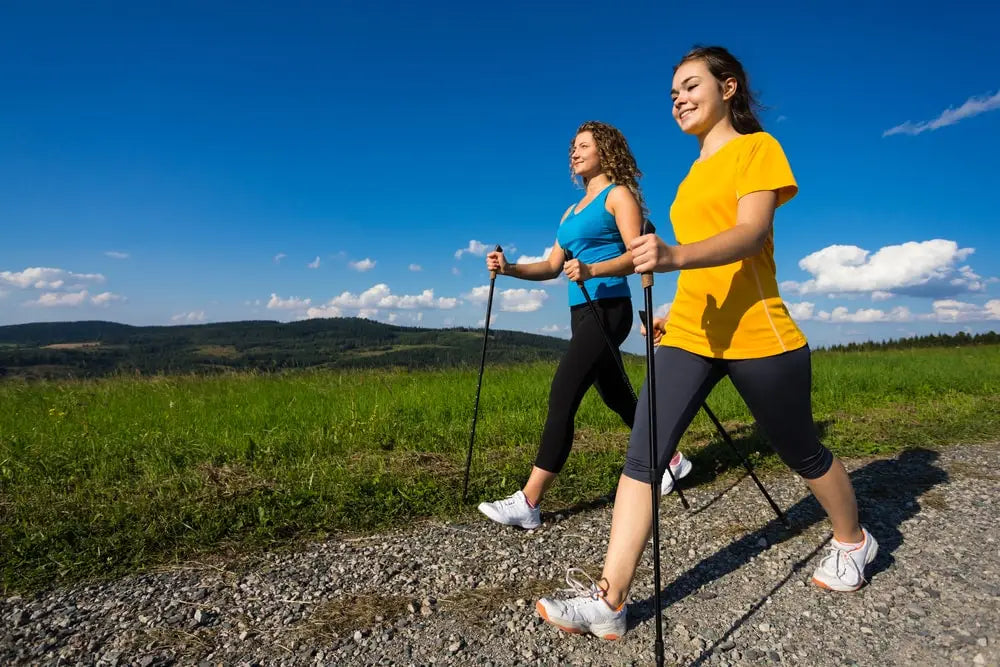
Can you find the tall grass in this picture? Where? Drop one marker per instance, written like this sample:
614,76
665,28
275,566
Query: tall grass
99,477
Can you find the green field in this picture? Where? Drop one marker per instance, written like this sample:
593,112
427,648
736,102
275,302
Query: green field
99,477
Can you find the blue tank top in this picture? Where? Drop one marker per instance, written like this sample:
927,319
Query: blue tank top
592,236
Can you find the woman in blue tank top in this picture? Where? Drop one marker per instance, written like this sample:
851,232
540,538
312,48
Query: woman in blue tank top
595,232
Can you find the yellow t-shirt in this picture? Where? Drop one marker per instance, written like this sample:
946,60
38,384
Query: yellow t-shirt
732,311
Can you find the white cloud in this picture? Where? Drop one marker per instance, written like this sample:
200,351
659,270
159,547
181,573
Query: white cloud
949,310
455,271
944,310
395,316
380,296
365,264
555,330
522,300
416,267
323,311
280,256
291,303
474,248
866,315
105,298
878,295
478,294
56,299
528,259
926,268
511,300
114,254
801,311
972,107
314,264
193,316
46,278
482,322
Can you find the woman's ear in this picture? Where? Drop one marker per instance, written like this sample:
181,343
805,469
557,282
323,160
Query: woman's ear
729,87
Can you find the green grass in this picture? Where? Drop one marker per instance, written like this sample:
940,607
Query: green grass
106,476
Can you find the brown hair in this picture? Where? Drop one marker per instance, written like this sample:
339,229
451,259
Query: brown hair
723,65
617,160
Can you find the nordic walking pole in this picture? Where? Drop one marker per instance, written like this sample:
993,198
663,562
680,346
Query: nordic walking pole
479,384
746,464
647,289
729,441
621,367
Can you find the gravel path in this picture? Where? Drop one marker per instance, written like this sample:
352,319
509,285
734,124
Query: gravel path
735,588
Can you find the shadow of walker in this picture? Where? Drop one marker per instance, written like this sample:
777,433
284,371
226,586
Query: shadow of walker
887,492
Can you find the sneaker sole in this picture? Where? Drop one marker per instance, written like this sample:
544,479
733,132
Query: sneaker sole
868,560
573,631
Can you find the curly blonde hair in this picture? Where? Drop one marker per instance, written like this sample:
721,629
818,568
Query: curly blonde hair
617,160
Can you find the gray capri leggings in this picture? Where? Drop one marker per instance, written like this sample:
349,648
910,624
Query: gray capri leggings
777,390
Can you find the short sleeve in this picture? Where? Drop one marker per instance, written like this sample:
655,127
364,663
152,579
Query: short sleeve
763,166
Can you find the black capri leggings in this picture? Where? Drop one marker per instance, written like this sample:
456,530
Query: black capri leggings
588,361
777,390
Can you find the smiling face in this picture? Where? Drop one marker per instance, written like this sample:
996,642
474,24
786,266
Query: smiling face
585,159
699,99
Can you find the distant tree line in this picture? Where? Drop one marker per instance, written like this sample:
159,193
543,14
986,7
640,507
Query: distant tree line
959,339
262,346
268,346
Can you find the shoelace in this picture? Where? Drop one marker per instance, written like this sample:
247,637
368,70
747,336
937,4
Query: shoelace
839,555
582,590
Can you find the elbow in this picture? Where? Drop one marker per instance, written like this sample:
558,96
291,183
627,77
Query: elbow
756,246
756,243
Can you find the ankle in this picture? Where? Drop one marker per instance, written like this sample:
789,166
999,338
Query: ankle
531,500
613,597
855,536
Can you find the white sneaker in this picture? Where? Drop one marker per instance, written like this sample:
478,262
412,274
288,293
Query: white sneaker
843,567
588,612
680,469
513,511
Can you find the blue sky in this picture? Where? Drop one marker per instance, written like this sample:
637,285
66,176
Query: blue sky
206,161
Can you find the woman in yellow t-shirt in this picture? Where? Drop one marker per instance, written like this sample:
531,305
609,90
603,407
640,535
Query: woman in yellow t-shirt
727,319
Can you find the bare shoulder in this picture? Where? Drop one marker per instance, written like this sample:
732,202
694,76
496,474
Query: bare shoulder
620,195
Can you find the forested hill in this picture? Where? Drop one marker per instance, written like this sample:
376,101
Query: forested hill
96,348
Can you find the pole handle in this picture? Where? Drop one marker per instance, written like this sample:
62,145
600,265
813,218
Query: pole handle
493,274
647,228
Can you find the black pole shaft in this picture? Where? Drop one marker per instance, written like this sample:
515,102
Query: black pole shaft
746,464
621,366
647,283
479,384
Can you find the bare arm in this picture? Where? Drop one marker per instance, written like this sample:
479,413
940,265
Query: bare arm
754,217
546,269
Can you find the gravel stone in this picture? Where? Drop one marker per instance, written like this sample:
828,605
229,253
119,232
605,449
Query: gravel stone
735,590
